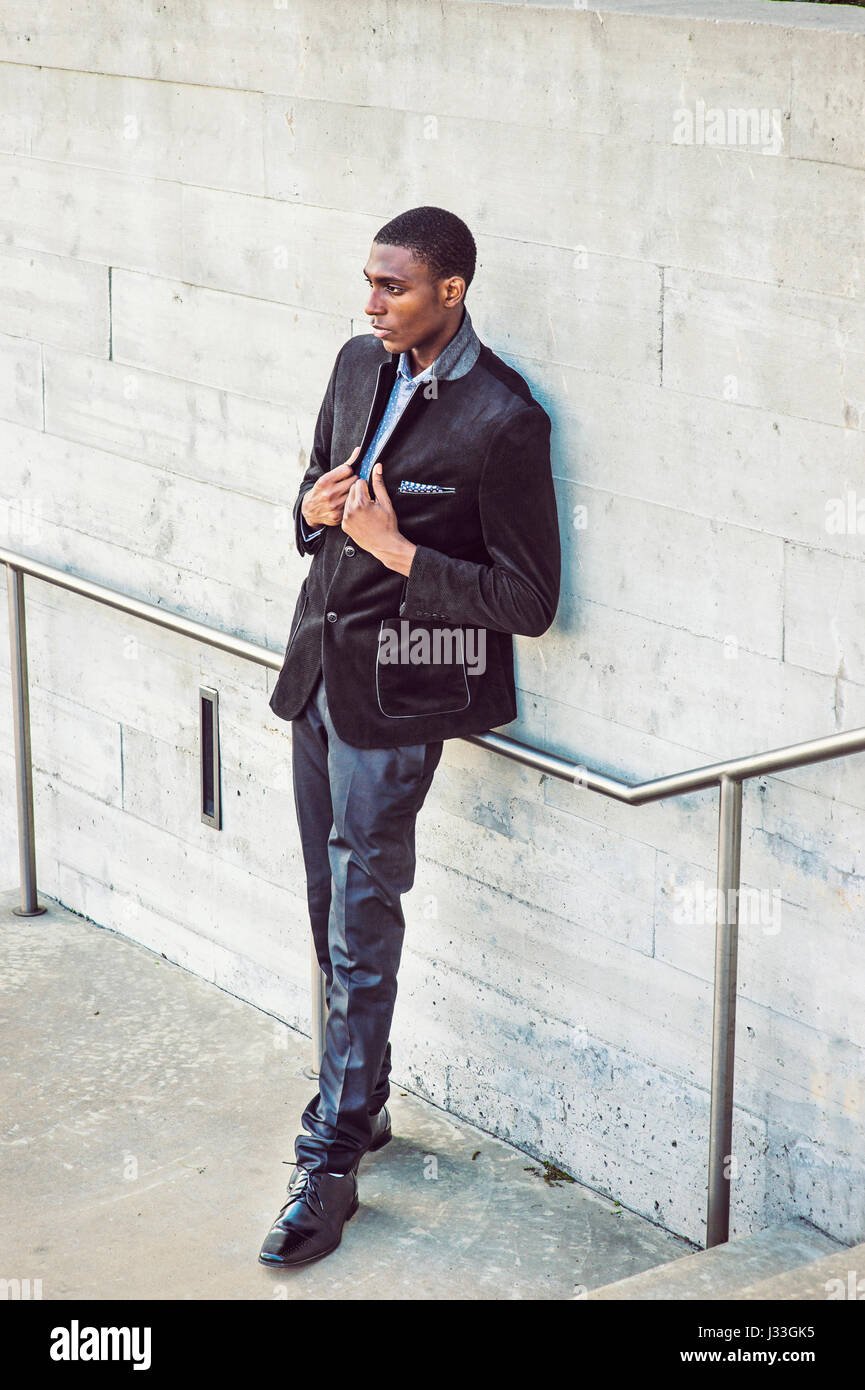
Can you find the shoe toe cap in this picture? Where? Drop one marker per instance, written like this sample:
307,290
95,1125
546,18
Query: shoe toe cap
282,1244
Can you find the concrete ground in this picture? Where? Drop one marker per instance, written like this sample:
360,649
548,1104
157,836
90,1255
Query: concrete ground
148,1128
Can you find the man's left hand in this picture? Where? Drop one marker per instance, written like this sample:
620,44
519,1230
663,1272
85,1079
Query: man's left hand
372,523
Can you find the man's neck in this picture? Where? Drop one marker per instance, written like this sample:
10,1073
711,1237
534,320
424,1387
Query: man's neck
415,365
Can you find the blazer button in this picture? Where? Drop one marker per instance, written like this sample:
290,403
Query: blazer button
331,617
349,550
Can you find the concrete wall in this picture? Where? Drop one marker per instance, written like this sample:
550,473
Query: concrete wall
187,198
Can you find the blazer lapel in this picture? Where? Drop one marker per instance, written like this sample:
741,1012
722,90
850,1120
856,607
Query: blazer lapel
414,408
383,385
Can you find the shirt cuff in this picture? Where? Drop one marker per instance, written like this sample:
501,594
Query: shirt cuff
307,534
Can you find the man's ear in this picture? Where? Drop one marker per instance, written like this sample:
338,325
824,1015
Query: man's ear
454,291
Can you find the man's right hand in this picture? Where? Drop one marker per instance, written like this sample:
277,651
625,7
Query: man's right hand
324,504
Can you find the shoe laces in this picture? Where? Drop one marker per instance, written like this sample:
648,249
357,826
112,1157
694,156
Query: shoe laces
303,1188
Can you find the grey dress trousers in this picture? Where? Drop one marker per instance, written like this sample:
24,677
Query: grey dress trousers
356,811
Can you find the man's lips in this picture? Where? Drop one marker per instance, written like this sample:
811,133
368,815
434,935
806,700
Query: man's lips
382,332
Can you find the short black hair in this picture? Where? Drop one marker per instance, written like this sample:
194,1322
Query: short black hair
437,237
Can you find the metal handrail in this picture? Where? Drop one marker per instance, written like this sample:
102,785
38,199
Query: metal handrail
728,776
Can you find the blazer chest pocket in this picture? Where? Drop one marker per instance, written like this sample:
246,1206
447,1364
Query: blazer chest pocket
434,515
420,669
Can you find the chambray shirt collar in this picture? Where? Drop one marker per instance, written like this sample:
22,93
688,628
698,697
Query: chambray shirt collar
455,359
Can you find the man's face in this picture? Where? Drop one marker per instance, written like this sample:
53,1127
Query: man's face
409,306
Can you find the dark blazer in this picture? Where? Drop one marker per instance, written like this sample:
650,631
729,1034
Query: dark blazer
488,562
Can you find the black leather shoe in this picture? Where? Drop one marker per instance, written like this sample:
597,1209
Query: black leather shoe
310,1224
381,1135
381,1130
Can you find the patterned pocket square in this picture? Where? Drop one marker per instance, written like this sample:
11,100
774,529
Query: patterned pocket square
406,486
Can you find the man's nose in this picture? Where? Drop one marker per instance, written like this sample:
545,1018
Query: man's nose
372,304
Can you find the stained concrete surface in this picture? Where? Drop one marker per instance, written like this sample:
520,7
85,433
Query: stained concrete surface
148,1128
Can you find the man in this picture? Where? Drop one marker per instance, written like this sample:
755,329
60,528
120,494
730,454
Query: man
434,536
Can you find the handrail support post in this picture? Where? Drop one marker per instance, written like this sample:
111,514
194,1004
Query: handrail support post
21,738
721,1158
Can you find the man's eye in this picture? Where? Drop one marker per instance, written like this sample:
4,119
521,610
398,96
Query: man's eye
392,289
